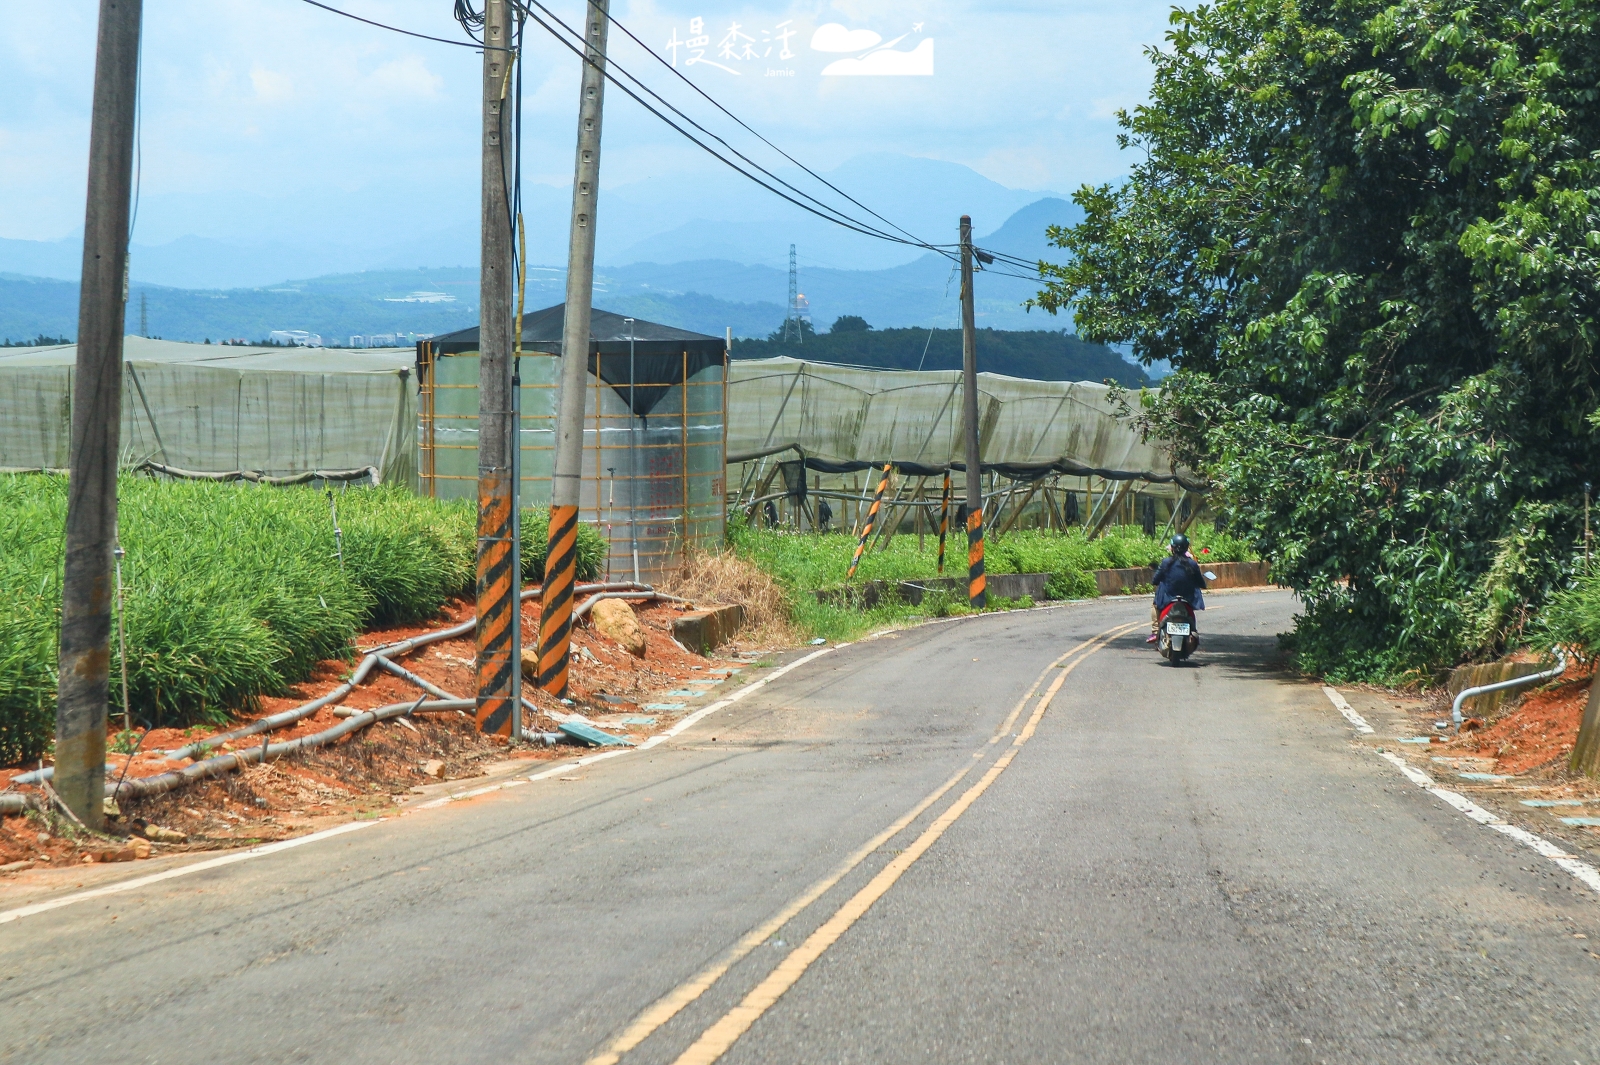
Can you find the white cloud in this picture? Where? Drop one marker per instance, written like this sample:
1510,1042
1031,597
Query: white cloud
408,76
833,37
255,114
917,62
271,86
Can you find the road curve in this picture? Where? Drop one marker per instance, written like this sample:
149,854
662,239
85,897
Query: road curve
888,855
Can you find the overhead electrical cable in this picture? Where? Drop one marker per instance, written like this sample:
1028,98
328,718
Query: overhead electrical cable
686,80
409,33
1011,260
841,218
471,20
826,212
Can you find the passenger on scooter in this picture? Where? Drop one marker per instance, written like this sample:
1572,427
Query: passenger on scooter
1178,577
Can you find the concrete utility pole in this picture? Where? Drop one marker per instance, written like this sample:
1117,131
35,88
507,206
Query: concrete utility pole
969,410
555,619
87,587
499,576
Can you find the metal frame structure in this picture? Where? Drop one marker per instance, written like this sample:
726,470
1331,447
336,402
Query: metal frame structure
668,487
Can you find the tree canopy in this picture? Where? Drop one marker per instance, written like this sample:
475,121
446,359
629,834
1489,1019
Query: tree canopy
1039,354
1366,235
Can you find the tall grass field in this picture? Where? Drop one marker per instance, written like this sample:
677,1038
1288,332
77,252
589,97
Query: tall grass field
805,562
230,590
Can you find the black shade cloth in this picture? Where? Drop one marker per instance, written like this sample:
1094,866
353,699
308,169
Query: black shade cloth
794,479
662,355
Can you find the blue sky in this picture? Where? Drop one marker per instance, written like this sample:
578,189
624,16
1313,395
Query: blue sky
265,117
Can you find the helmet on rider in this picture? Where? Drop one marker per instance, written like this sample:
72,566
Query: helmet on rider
1180,544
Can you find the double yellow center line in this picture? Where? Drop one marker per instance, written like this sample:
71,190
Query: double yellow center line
716,1040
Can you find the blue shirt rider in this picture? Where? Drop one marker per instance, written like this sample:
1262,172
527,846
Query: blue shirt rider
1178,577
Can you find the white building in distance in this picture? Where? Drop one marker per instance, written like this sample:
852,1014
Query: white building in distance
298,338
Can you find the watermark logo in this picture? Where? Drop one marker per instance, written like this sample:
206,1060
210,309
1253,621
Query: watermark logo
876,57
769,49
738,44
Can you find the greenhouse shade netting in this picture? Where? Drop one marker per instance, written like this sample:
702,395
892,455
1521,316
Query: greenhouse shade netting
213,408
841,419
653,418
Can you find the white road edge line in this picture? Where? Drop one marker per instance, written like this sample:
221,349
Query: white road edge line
183,870
1587,874
1347,710
352,826
660,737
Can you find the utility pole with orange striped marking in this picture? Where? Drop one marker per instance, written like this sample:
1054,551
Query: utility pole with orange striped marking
969,409
872,521
560,567
498,579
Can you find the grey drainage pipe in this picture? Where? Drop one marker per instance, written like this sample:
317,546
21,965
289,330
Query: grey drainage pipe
289,717
34,776
373,658
405,674
226,763
643,593
16,803
1515,682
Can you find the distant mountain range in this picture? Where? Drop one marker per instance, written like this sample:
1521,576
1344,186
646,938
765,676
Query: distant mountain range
229,239
708,295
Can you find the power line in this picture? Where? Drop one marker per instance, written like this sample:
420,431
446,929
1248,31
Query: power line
682,77
840,216
471,21
470,18
827,213
475,44
1011,260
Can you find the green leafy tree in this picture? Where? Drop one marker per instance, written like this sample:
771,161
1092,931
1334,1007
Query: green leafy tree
807,332
850,323
1367,235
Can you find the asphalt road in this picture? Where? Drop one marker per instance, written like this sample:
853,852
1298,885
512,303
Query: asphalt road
1167,864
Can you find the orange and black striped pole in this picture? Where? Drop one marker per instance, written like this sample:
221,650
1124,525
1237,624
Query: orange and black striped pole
944,518
560,565
555,619
976,582
497,599
969,415
872,521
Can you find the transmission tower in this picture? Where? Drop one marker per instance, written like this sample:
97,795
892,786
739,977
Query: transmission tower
144,316
791,321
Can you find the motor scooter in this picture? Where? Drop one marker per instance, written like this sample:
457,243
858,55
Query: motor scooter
1177,635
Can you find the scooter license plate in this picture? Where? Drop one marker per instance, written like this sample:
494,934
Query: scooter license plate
1178,628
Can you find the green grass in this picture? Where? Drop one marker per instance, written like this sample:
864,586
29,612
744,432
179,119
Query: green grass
805,562
232,591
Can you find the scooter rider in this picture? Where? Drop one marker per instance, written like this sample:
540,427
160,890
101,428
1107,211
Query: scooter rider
1177,577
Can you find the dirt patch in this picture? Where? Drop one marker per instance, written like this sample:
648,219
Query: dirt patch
1538,732
372,770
